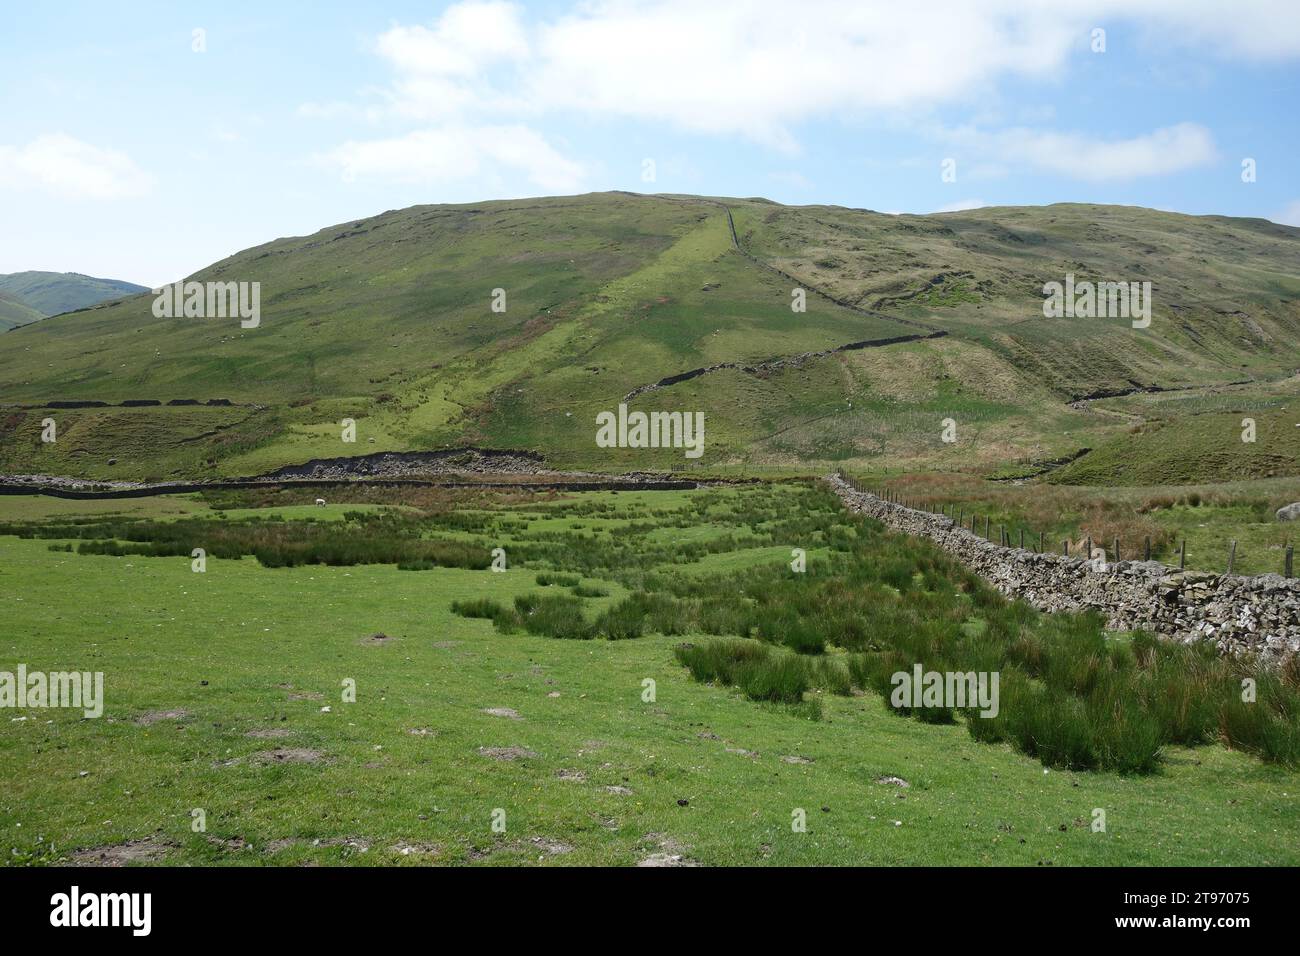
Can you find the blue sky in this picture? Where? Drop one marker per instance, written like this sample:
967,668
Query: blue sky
127,152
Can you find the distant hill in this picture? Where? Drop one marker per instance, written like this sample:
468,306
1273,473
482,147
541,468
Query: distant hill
50,293
684,303
14,312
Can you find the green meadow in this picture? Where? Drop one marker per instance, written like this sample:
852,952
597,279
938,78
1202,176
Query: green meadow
565,727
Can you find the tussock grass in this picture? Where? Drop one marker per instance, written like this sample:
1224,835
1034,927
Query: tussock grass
756,669
553,616
547,579
869,605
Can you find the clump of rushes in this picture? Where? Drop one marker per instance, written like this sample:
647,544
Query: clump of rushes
546,578
624,621
381,538
505,619
553,616
759,672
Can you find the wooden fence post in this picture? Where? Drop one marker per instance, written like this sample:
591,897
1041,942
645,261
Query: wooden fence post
1182,556
1148,551
1117,557
1286,568
1232,555
1040,542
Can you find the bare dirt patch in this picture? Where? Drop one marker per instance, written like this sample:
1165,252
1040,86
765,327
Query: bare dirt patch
355,844
288,755
122,854
671,853
307,695
893,781
506,753
270,733
619,790
376,640
157,716
550,847
795,758
576,776
417,849
507,712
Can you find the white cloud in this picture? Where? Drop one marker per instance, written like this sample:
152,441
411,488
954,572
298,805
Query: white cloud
757,68
1290,216
749,67
962,205
482,78
71,169
1253,29
457,153
1167,150
467,38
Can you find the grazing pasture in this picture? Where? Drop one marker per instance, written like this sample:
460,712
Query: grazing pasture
596,699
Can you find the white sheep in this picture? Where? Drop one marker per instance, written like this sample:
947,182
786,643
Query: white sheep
320,502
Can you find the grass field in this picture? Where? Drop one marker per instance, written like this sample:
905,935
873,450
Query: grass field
225,693
1207,517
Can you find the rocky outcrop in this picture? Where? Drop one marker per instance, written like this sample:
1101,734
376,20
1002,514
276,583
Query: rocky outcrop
1289,512
1239,614
418,464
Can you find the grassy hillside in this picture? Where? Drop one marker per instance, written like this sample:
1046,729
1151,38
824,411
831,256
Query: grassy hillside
51,293
388,320
1225,291
14,312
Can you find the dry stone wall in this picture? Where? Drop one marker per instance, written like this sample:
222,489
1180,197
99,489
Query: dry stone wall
1258,614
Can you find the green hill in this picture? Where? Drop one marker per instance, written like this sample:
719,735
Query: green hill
14,312
388,320
50,293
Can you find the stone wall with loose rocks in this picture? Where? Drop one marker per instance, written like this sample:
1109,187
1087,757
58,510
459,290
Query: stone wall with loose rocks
1256,614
